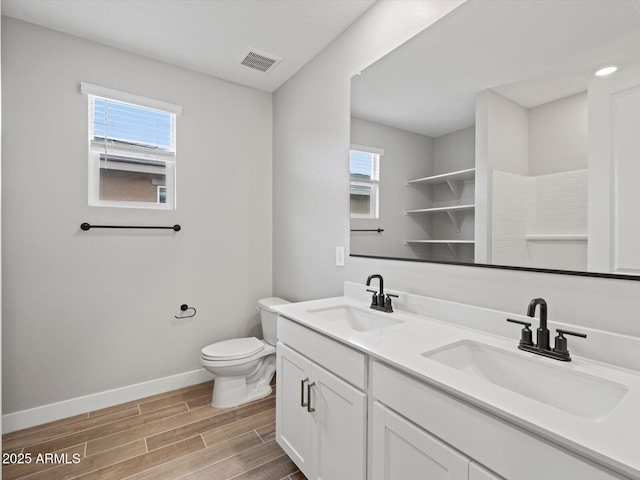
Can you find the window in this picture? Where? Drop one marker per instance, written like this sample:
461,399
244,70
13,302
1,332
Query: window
364,168
132,150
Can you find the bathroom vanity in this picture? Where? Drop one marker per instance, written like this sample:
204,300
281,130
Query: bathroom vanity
371,395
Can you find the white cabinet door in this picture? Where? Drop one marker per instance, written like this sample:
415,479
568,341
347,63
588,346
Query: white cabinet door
338,428
476,472
293,422
320,419
402,451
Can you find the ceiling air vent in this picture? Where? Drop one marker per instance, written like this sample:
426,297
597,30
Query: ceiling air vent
258,60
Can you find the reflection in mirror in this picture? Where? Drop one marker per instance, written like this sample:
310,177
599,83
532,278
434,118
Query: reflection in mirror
500,144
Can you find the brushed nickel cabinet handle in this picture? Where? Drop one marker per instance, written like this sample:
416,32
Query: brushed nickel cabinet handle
302,402
309,407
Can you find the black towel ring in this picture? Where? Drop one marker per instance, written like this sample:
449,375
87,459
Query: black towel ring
184,307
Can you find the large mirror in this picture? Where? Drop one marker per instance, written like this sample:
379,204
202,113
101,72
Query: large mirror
488,139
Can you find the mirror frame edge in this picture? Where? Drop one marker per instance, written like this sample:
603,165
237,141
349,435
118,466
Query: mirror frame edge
576,273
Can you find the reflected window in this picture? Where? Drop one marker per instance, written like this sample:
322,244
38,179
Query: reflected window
364,169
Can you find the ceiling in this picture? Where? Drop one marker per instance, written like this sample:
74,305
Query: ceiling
208,36
531,51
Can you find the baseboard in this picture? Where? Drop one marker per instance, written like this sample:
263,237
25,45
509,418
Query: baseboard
96,401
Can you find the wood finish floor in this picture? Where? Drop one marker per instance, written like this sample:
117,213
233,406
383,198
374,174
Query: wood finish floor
175,435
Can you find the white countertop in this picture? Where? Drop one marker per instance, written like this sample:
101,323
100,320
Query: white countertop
612,440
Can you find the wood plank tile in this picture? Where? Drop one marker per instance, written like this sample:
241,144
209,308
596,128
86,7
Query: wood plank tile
94,462
145,461
239,427
151,428
186,431
149,406
201,459
203,401
238,464
151,398
69,428
276,468
200,427
258,406
45,426
298,476
267,433
10,472
168,436
105,430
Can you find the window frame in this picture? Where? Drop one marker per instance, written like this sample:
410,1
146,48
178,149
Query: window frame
374,184
160,157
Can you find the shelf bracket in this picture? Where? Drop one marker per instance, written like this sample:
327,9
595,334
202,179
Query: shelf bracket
454,250
455,219
456,187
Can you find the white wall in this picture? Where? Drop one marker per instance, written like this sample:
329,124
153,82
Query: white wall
407,156
89,311
511,212
530,215
311,124
558,136
508,135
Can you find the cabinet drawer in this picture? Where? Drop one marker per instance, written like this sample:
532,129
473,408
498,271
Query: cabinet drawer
503,448
343,361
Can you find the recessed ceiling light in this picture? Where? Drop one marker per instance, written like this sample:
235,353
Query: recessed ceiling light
603,72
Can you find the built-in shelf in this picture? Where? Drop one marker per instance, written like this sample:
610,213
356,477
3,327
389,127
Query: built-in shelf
456,213
454,180
452,244
452,208
452,211
558,238
442,241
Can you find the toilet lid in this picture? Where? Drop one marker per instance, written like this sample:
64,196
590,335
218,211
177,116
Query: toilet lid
233,349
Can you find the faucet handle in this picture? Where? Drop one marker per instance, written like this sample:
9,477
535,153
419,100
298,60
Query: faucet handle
526,334
374,299
387,302
569,332
561,342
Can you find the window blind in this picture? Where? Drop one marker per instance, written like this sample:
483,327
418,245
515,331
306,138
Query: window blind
364,165
120,128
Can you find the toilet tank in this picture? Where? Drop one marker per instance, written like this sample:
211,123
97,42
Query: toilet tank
268,317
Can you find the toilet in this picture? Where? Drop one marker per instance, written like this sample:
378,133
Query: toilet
245,366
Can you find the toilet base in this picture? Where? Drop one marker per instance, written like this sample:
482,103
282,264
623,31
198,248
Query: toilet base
231,391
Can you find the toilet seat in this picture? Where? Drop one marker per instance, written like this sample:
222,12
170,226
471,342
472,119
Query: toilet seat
234,349
228,362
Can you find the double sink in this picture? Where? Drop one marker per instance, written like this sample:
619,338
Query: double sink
557,385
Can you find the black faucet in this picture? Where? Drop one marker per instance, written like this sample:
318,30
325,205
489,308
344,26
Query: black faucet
542,335
379,301
560,351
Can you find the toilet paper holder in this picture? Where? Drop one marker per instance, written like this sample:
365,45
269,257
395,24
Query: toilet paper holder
184,307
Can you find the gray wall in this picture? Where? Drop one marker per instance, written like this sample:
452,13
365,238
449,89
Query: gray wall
85,312
455,151
311,123
407,156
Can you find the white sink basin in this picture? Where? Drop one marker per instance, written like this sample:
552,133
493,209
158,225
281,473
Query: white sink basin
576,393
355,318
